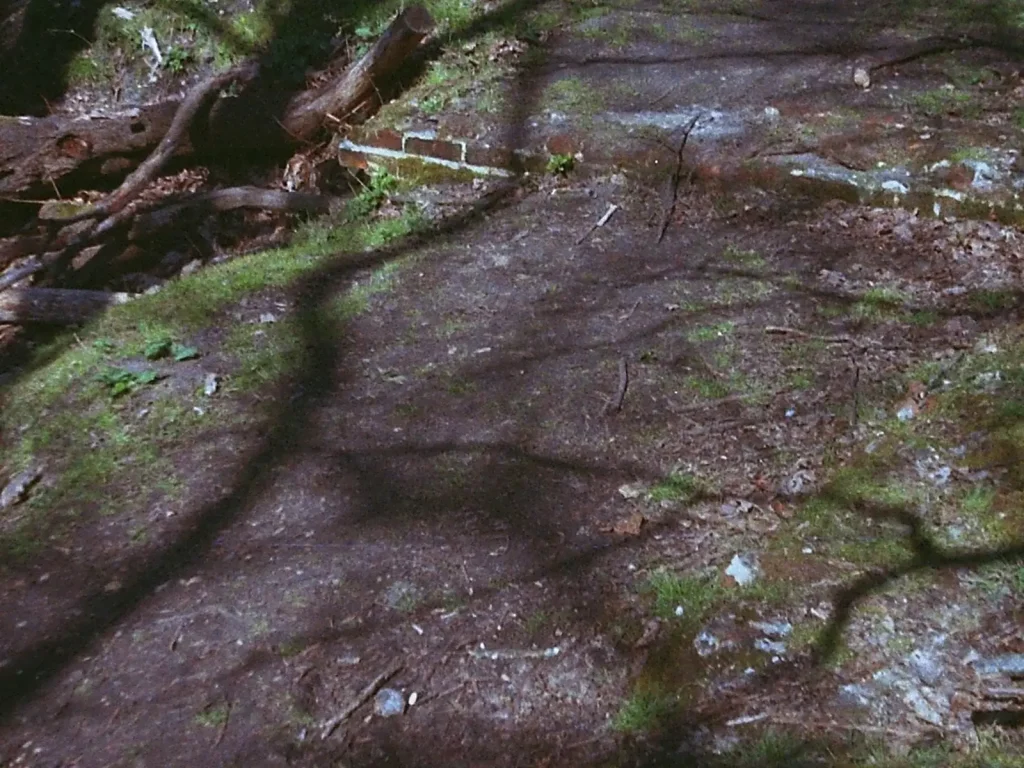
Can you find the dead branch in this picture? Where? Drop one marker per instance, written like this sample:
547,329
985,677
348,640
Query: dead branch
620,394
139,178
56,306
677,177
360,699
229,199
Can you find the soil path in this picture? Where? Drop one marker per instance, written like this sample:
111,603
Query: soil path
577,494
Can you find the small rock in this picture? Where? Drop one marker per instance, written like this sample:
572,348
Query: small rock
17,489
706,643
268,317
927,668
861,78
388,702
211,383
770,646
773,628
742,571
772,114
924,709
855,695
799,483
895,186
192,267
631,491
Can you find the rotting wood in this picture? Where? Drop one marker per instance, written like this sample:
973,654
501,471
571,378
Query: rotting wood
55,306
36,153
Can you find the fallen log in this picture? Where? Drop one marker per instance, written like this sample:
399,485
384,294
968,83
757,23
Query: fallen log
306,114
56,306
230,199
36,153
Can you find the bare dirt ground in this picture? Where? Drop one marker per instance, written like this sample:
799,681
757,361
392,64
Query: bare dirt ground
748,494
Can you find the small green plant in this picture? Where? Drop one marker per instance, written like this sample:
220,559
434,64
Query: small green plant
677,486
373,194
177,59
161,346
1018,118
945,101
710,332
969,153
124,382
705,387
643,711
686,597
213,717
561,165
741,257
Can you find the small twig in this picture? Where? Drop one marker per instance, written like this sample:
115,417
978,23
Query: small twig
362,697
223,725
856,390
781,330
620,394
677,177
600,223
629,314
440,694
739,397
513,653
859,727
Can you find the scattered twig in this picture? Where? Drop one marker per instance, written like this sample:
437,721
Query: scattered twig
441,694
677,177
629,314
361,698
859,727
1003,693
781,330
495,655
224,724
612,208
620,394
746,720
856,390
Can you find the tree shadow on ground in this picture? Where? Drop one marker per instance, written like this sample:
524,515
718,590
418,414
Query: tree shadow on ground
322,371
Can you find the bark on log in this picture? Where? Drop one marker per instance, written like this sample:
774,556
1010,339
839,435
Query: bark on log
36,153
306,114
56,306
229,199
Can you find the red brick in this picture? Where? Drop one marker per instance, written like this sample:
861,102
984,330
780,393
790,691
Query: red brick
562,144
351,159
444,150
488,156
708,172
959,177
383,138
